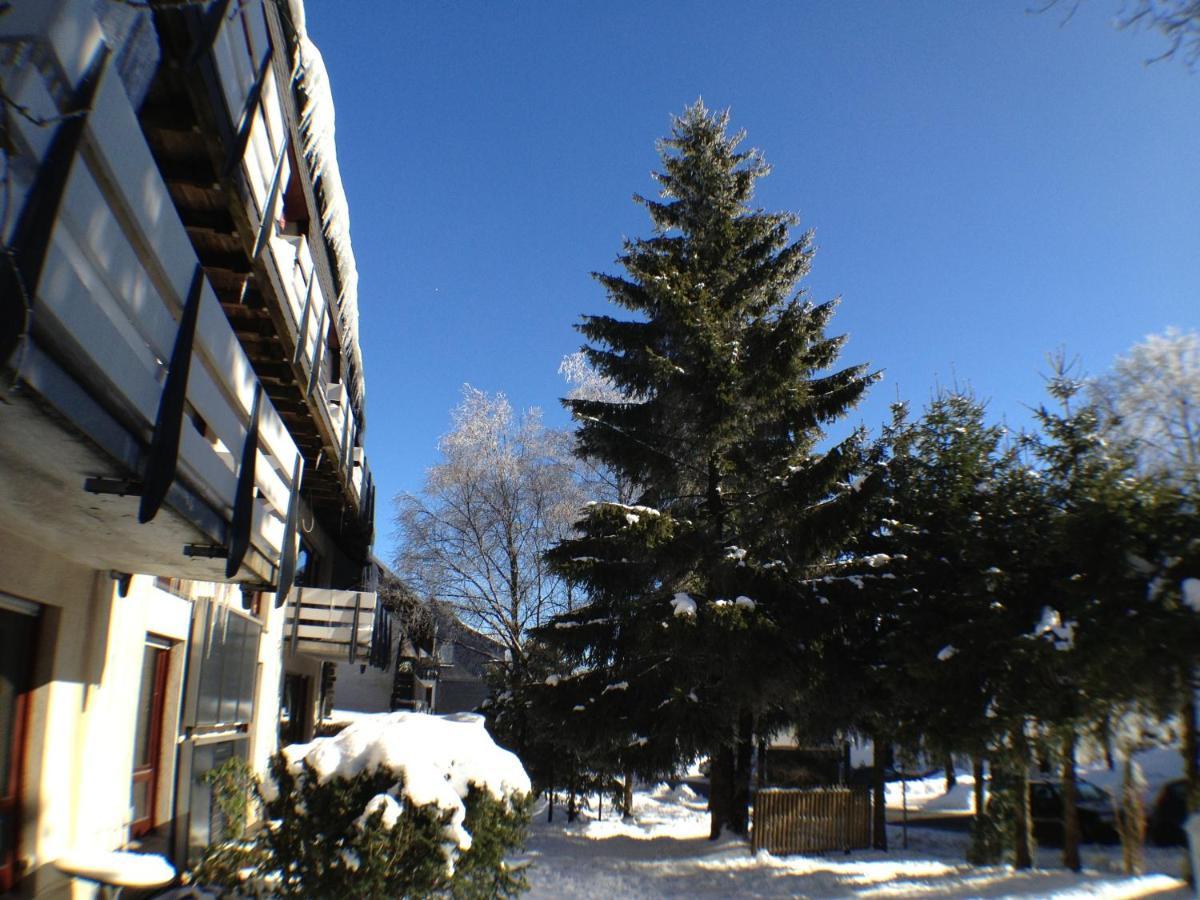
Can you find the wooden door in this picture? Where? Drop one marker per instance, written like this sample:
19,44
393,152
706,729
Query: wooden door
18,632
147,747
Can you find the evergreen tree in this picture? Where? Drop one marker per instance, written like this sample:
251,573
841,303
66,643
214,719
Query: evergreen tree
696,624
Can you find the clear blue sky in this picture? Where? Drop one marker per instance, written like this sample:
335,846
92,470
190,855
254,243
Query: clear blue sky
985,184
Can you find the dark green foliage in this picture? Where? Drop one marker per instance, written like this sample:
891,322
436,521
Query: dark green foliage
724,374
318,845
496,830
233,785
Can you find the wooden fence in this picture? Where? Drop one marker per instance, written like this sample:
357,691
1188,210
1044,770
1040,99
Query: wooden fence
811,821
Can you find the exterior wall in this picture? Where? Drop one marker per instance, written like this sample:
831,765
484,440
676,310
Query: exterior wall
74,436
87,676
264,732
357,691
78,763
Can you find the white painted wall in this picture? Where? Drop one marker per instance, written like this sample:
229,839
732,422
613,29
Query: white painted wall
88,669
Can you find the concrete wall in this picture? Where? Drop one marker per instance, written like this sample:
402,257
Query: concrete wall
87,674
357,691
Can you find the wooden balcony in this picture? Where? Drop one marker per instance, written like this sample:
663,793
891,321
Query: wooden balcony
130,379
222,120
340,626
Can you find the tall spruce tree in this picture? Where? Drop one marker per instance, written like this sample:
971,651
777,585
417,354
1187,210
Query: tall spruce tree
696,626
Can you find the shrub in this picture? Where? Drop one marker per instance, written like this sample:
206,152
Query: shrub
343,821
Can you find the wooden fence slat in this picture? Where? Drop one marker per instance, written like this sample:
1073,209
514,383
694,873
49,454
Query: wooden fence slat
811,821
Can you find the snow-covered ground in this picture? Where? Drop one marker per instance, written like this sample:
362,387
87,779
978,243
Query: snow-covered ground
929,794
665,853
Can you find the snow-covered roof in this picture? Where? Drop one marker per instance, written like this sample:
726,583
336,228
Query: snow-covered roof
320,153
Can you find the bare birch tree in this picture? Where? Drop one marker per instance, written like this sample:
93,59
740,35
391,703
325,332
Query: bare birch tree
1152,395
502,493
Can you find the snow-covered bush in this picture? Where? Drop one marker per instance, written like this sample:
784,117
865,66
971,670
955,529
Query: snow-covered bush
399,805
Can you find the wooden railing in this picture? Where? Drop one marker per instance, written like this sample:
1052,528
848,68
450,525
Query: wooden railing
332,624
116,280
790,820
241,53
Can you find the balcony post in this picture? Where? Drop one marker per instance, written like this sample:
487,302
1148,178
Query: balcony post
268,212
246,123
295,639
318,351
243,502
163,455
354,628
302,332
287,556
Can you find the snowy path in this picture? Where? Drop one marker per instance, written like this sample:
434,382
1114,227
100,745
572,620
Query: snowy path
666,854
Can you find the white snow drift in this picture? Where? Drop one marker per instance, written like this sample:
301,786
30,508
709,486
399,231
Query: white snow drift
435,758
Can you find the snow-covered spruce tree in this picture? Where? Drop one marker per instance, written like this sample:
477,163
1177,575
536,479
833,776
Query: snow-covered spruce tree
1096,577
918,632
694,619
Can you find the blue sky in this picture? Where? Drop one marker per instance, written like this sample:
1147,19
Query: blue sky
985,184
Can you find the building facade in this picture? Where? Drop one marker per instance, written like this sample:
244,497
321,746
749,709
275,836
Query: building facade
186,510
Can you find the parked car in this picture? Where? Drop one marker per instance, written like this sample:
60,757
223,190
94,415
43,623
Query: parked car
1097,814
1164,824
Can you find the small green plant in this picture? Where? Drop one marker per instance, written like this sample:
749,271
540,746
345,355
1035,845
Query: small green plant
233,784
320,841
226,860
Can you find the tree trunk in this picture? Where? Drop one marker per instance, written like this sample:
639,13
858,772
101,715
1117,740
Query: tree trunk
550,807
879,806
1071,835
720,789
1106,741
761,776
627,799
739,812
572,806
1191,771
951,778
1023,851
977,774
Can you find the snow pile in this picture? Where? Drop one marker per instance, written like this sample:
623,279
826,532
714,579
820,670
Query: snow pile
438,758
317,130
1052,628
1191,593
683,605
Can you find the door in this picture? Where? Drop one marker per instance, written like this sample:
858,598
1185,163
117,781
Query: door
293,712
147,747
18,632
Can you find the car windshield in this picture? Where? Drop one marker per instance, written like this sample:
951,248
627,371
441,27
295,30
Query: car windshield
1089,793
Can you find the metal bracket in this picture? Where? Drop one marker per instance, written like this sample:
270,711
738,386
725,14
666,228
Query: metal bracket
122,487
207,551
122,579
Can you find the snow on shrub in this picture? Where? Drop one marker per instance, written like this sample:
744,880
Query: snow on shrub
395,805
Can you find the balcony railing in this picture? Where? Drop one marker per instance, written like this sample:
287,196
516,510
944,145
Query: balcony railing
341,626
252,105
117,297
